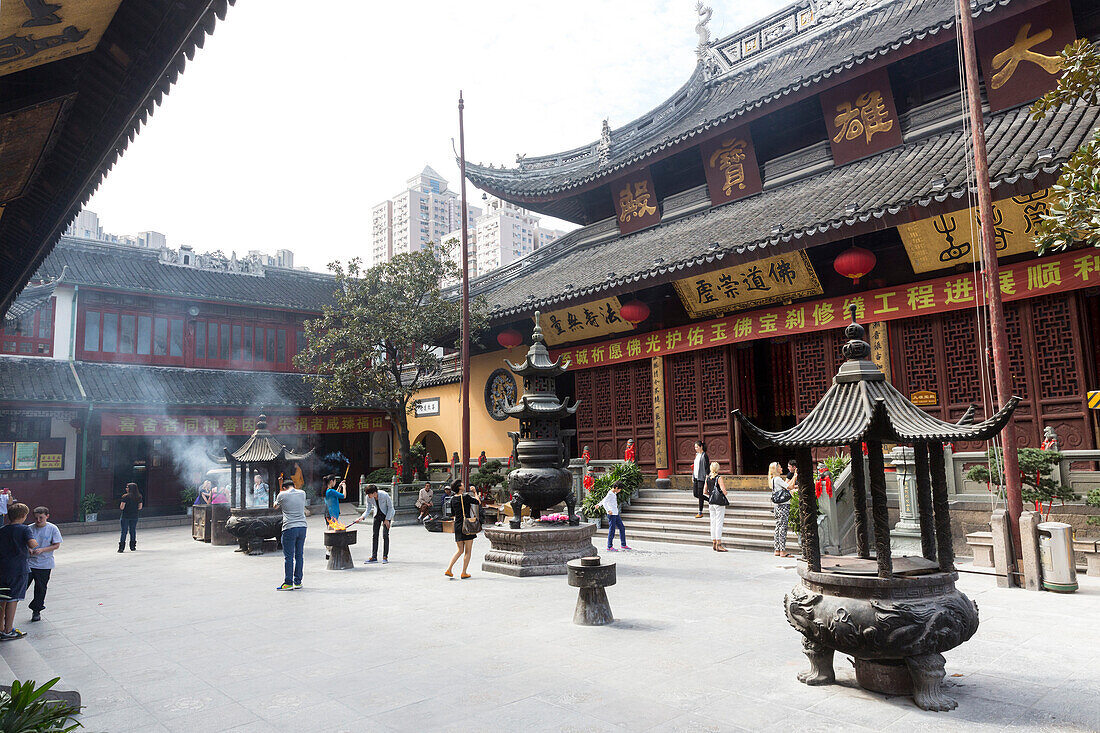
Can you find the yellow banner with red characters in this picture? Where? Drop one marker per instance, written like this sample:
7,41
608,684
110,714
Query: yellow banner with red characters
1029,279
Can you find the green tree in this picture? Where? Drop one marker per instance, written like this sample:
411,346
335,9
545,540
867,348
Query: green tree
1037,469
375,344
1074,210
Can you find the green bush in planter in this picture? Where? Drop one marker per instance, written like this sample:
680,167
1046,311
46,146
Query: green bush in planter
188,496
24,709
91,503
381,476
628,473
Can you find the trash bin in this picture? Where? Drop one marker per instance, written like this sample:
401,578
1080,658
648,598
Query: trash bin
1056,557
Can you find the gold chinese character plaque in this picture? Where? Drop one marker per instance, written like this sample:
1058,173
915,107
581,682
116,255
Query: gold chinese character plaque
730,165
860,117
584,321
635,202
775,279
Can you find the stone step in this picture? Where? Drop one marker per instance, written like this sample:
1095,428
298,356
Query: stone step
731,542
21,661
704,532
688,512
703,523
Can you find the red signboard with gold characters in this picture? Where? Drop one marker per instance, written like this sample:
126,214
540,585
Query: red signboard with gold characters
636,205
1019,55
121,423
730,164
860,117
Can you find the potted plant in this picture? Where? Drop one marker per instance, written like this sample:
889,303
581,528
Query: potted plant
628,473
187,499
90,505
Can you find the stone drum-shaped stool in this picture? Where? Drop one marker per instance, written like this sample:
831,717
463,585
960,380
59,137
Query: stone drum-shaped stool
591,577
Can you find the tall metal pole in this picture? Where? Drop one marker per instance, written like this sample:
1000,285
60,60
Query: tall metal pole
1001,368
465,472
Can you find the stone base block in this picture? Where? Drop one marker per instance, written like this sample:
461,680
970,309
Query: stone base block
532,551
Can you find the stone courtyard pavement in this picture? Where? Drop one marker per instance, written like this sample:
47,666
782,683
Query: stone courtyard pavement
182,636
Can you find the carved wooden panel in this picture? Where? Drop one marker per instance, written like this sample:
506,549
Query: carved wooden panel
783,379
745,394
815,360
699,386
616,405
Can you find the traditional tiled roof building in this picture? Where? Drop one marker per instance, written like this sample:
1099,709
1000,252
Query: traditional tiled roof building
815,160
116,366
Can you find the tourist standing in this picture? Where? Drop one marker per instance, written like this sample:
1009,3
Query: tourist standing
206,488
332,495
6,500
16,542
292,503
130,505
463,506
455,461
259,492
699,474
610,504
715,487
380,504
48,537
424,501
781,498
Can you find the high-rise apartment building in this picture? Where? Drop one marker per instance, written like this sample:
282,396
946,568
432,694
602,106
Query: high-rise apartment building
424,212
505,232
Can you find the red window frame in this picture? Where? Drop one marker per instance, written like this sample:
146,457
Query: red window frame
34,344
146,345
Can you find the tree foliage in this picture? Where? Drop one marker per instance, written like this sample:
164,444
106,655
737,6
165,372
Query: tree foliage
1037,476
1074,210
374,345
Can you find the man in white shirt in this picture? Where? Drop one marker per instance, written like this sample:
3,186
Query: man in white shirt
41,560
610,504
380,504
699,474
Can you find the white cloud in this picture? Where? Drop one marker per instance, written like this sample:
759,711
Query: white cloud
297,117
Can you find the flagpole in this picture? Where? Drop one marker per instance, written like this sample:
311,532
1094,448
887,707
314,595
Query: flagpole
999,342
465,472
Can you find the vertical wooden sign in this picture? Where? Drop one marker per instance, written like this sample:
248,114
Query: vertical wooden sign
660,443
636,205
878,337
729,162
1020,55
860,117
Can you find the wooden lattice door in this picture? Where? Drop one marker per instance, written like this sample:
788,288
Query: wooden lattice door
616,405
699,395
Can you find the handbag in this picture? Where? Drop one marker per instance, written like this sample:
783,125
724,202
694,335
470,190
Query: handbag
716,497
470,525
780,495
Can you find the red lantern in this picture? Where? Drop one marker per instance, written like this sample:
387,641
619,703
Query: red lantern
634,311
854,263
509,338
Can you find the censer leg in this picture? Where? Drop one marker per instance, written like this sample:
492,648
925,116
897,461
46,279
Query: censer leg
928,673
821,663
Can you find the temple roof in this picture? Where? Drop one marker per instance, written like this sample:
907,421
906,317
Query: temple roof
719,91
136,270
596,261
861,405
263,447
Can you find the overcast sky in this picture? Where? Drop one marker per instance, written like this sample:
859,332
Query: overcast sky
296,117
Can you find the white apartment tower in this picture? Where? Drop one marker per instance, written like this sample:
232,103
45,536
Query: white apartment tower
505,232
424,212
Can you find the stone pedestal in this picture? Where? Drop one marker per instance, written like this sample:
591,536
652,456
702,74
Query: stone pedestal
905,536
339,544
591,577
534,550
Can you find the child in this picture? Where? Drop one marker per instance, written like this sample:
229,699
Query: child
16,542
610,505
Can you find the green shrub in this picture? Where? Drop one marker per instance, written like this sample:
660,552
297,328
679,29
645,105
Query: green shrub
381,476
628,473
24,710
188,496
1037,467
91,503
488,475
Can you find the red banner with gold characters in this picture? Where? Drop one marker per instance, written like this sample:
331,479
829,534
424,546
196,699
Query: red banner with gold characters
730,164
1028,279
860,117
123,423
1020,55
636,205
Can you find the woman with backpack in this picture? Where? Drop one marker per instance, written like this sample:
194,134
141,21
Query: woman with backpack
715,494
781,498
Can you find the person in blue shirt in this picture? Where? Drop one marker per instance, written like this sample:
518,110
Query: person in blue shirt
333,496
16,543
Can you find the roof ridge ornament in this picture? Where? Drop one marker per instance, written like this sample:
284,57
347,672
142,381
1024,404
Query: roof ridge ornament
704,12
603,147
536,335
858,366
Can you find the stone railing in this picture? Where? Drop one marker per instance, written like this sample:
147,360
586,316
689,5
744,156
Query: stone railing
1078,470
576,467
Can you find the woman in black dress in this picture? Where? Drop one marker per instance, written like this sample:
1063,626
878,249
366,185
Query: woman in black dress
463,504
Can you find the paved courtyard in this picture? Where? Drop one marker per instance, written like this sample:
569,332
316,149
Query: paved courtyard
182,636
